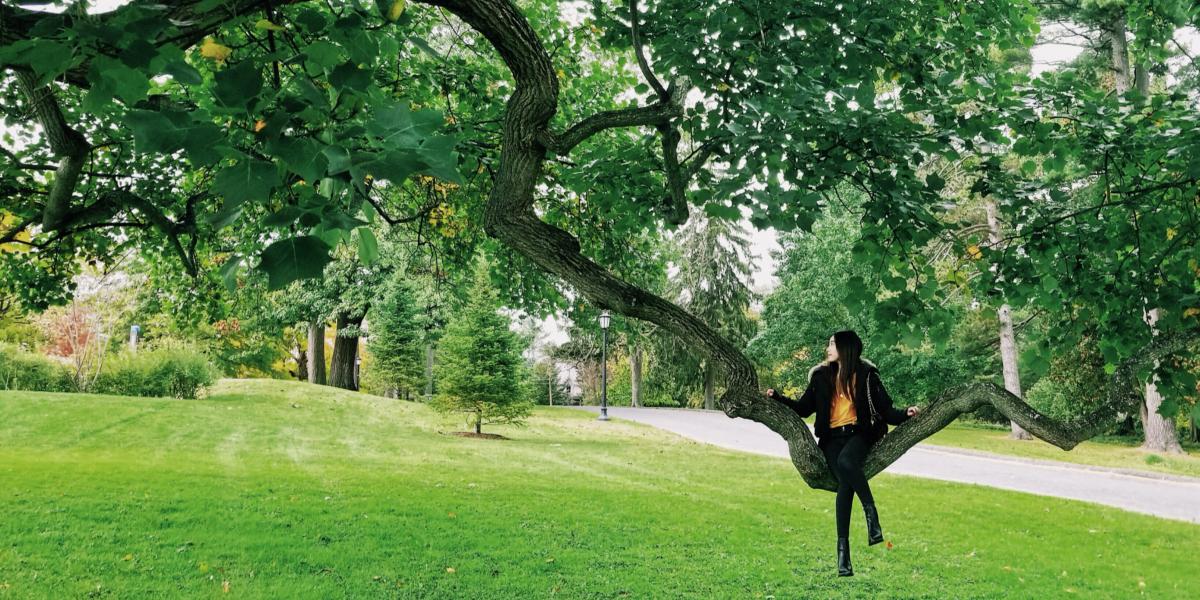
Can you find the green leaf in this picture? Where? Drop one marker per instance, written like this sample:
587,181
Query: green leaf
426,48
322,56
226,216
152,132
285,261
721,211
246,180
368,246
111,78
183,73
338,159
229,270
203,142
394,166
238,87
283,217
303,156
348,75
48,59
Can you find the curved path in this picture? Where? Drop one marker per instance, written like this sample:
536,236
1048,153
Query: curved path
1170,497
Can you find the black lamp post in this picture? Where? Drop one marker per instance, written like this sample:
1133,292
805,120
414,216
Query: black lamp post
604,320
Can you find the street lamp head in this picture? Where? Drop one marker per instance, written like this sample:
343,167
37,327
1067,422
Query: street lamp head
604,319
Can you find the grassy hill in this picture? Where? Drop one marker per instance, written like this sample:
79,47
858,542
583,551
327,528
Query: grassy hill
286,490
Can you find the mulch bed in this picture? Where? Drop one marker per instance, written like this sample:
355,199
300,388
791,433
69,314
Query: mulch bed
472,434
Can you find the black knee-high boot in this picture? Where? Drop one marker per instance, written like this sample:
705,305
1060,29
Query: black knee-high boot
874,531
843,555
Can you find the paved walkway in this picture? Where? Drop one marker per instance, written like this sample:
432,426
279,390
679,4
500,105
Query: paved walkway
1162,496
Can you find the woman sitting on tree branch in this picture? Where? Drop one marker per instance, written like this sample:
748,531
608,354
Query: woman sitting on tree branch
849,422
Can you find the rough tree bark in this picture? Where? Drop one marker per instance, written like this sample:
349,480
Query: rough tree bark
635,377
345,351
1160,431
710,385
1008,339
316,352
301,362
428,371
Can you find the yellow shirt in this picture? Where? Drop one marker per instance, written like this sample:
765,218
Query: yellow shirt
841,411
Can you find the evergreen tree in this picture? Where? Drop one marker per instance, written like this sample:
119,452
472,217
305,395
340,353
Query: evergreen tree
713,283
396,343
479,362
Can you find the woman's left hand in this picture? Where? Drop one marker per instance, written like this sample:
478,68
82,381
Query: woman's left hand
913,411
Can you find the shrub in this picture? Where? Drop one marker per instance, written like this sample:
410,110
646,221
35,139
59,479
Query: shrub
21,370
175,370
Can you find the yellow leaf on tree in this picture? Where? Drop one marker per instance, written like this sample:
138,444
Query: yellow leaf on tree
974,252
722,87
264,24
7,222
1170,232
259,125
1188,312
211,49
396,10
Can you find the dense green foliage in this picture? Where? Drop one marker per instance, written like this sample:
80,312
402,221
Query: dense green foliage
168,371
22,370
171,371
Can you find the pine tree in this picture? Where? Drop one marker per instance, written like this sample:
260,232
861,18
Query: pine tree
479,362
396,343
713,283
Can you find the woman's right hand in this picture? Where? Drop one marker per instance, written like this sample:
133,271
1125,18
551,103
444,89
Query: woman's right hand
771,393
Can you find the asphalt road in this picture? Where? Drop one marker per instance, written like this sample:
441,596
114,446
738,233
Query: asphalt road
1162,496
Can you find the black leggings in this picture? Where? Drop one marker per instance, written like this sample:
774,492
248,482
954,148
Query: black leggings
845,456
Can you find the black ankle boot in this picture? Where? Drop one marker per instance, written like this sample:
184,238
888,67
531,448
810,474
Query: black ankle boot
874,531
844,568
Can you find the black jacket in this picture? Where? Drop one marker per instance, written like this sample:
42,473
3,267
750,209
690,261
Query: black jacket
816,398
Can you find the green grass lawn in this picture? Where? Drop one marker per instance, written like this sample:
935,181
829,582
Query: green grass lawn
286,490
1105,452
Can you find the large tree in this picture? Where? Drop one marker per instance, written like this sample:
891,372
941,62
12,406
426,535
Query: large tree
291,116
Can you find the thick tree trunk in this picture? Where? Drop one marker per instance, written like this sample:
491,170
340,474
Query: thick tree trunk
301,362
345,351
635,375
316,352
1160,431
1119,46
710,384
428,371
1008,339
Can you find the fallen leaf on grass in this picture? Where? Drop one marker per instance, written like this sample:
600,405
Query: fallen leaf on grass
889,544
450,569
127,557
225,587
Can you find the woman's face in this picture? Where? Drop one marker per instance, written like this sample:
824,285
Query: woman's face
831,351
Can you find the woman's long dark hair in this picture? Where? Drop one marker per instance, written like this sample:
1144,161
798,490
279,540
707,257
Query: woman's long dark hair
849,347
